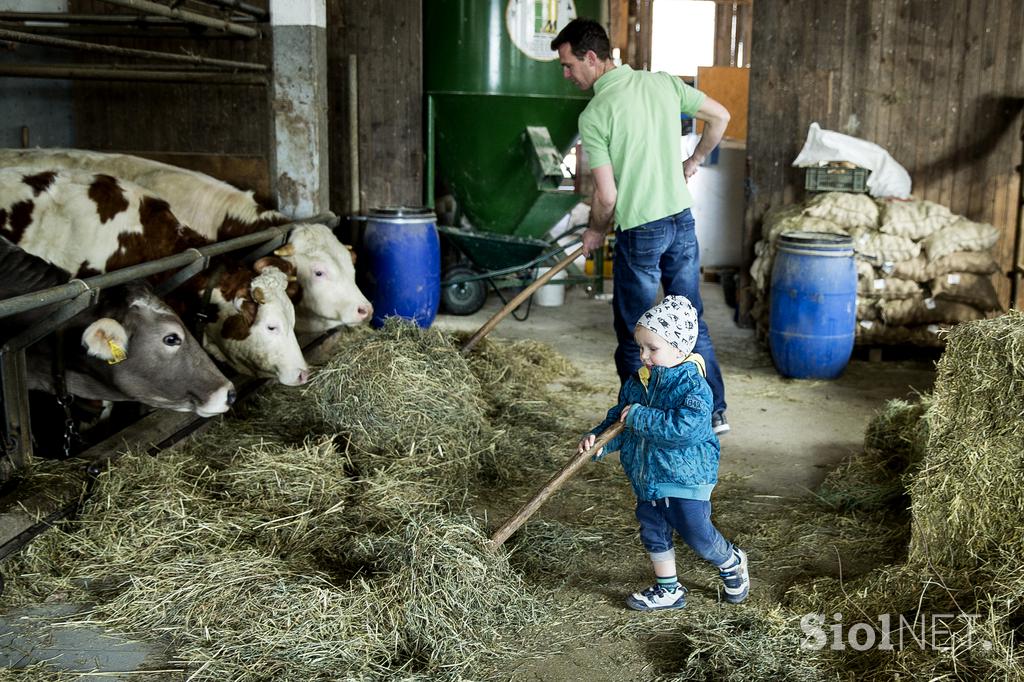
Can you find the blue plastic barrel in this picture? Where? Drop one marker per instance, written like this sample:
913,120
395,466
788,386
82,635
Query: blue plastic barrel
404,264
813,305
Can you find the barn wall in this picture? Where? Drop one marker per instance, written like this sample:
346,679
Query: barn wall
223,130
942,91
34,108
386,37
197,126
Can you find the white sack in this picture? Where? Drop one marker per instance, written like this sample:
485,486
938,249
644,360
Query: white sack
887,178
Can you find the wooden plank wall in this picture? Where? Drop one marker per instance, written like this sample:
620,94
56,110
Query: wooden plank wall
387,37
941,91
194,120
197,121
733,27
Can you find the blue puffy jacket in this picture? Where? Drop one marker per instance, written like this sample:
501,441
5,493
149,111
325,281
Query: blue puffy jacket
667,448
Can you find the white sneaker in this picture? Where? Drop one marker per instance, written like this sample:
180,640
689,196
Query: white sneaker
657,597
735,578
719,424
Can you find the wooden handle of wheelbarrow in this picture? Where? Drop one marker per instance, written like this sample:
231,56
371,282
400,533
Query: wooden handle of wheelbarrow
556,482
520,297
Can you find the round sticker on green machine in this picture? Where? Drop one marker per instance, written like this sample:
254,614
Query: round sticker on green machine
533,24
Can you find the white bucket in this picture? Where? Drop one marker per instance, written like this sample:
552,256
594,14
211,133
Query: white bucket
550,295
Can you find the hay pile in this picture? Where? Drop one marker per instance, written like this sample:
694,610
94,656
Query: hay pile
877,479
966,548
325,535
318,540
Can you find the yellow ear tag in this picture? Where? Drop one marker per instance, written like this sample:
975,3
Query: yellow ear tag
644,374
117,352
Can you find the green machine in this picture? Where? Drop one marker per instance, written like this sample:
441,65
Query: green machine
500,115
500,119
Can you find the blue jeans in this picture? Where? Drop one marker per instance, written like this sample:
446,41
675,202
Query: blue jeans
663,251
691,519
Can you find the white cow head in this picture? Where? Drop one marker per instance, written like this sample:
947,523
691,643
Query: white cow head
325,270
255,329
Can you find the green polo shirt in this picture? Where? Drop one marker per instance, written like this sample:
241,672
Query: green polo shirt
633,123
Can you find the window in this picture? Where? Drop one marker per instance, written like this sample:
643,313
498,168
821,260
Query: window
682,36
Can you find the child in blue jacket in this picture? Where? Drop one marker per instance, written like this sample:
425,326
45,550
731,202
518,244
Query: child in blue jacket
670,454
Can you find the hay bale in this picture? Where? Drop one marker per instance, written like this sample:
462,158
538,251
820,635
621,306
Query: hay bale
968,503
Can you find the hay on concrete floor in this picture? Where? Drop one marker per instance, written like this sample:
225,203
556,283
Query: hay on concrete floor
876,479
314,509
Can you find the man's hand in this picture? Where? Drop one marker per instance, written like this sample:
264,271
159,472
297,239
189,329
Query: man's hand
625,412
716,120
593,240
690,167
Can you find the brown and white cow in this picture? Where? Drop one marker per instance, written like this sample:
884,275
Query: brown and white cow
88,224
132,345
218,211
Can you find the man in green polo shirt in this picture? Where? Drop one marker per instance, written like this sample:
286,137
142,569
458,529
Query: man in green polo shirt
631,131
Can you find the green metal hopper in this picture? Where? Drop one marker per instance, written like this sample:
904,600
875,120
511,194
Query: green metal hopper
500,115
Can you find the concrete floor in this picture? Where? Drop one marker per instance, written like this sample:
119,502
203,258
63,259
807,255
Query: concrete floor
786,434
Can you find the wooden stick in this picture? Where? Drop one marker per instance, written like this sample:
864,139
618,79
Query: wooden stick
489,326
556,482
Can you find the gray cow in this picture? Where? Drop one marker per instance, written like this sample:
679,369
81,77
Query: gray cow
129,346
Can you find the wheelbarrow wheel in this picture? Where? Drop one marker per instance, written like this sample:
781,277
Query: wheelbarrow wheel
464,298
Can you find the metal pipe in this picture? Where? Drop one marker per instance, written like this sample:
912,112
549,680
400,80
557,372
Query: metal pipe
175,31
192,68
243,7
114,74
33,39
75,287
102,19
353,133
185,15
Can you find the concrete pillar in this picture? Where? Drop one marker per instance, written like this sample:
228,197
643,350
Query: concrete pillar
298,97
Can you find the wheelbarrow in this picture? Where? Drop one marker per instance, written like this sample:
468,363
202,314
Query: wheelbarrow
496,262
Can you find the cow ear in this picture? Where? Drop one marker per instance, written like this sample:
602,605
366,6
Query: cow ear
106,339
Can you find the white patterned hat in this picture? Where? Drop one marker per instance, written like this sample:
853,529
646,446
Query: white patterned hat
675,320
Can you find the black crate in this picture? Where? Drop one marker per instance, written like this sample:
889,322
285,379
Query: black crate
836,179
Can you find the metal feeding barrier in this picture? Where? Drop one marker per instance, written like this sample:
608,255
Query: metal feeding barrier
77,295
18,529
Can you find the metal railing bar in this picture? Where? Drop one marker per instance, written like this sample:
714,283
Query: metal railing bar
239,6
34,39
36,299
51,322
97,19
75,72
185,15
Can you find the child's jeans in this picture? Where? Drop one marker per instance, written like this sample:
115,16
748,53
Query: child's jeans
691,519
